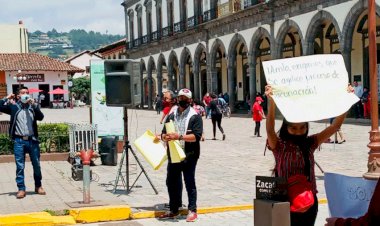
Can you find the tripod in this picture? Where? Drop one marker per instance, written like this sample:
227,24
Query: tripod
125,155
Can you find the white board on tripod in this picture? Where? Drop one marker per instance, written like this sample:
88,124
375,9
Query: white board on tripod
153,152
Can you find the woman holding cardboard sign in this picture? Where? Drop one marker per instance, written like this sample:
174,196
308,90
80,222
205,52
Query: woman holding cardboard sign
293,150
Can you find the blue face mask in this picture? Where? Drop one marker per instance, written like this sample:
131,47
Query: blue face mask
24,98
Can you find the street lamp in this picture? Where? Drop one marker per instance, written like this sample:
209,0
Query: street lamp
374,137
19,77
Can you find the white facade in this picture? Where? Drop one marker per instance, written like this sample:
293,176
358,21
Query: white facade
51,78
13,39
82,61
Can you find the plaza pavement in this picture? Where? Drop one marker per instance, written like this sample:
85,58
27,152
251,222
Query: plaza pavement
225,173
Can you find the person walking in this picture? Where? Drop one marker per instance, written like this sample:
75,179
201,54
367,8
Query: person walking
258,114
158,103
189,132
23,131
358,90
206,103
366,101
200,111
216,115
293,150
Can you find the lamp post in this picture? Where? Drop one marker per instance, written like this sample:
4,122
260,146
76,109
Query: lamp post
19,77
374,137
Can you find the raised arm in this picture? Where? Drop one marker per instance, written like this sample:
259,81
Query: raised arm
334,127
271,133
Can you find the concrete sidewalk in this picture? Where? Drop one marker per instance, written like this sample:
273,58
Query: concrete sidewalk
225,173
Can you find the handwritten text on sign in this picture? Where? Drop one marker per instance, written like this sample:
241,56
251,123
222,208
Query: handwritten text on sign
303,87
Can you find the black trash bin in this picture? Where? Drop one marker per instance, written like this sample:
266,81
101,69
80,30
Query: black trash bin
107,150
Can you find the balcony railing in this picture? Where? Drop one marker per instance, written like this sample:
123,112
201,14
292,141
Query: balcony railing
210,14
179,27
166,31
154,36
191,22
249,3
145,39
199,19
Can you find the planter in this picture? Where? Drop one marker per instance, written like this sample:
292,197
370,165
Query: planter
44,157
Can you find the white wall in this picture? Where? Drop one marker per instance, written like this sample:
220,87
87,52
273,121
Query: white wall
13,39
53,78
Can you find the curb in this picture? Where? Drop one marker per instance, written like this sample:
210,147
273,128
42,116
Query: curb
104,214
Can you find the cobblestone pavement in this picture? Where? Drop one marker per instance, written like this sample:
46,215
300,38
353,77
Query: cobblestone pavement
225,173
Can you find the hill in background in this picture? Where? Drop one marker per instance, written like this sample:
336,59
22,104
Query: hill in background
63,45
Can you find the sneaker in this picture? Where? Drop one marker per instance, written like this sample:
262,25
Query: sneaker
169,215
191,216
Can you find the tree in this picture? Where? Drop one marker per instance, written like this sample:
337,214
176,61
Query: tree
81,87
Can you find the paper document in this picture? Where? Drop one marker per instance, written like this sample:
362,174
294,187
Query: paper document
153,152
176,152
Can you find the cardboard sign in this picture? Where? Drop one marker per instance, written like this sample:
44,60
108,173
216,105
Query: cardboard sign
310,88
153,152
348,196
271,188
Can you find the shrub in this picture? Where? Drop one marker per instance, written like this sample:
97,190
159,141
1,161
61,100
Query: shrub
6,144
53,137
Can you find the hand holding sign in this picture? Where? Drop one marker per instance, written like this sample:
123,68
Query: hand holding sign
309,88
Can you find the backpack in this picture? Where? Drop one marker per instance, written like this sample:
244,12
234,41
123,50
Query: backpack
219,108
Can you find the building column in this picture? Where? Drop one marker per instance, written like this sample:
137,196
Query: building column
150,89
347,60
209,74
196,90
170,77
252,77
214,80
232,89
182,75
142,86
159,81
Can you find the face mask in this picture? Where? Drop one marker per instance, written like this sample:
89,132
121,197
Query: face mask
183,104
24,98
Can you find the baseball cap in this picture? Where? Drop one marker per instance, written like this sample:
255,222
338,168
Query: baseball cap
185,92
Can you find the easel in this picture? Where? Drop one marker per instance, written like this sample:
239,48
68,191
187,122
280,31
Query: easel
128,148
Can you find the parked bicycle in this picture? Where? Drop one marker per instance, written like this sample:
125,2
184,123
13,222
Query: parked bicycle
226,111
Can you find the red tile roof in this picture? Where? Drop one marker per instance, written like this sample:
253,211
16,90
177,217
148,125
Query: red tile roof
33,62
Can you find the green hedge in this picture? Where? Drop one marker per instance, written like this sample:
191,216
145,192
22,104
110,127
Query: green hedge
53,137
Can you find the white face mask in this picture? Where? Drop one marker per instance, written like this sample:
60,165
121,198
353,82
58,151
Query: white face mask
24,98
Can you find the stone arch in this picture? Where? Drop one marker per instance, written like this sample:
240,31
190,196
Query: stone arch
235,40
314,25
282,32
172,71
256,38
215,46
200,79
186,79
350,22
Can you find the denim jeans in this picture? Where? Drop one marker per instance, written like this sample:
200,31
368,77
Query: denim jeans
21,147
174,183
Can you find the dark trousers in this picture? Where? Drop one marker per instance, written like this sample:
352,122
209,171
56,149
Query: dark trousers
174,184
307,218
216,119
358,107
257,128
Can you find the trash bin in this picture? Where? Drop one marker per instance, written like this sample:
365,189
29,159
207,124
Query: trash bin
107,150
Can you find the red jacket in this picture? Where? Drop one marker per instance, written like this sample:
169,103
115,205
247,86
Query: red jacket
256,109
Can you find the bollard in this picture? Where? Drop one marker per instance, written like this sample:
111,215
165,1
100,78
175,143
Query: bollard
86,159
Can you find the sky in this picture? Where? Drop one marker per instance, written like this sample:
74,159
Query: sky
104,16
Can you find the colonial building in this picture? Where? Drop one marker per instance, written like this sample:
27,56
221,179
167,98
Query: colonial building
218,46
13,38
35,71
116,50
82,60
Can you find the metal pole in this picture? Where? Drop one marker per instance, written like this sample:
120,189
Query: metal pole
374,137
86,184
126,144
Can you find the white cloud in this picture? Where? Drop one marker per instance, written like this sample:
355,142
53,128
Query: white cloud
44,15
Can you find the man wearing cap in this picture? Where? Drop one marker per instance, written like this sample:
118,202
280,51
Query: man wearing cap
189,129
258,114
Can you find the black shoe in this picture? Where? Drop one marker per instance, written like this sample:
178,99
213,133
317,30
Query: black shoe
224,136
